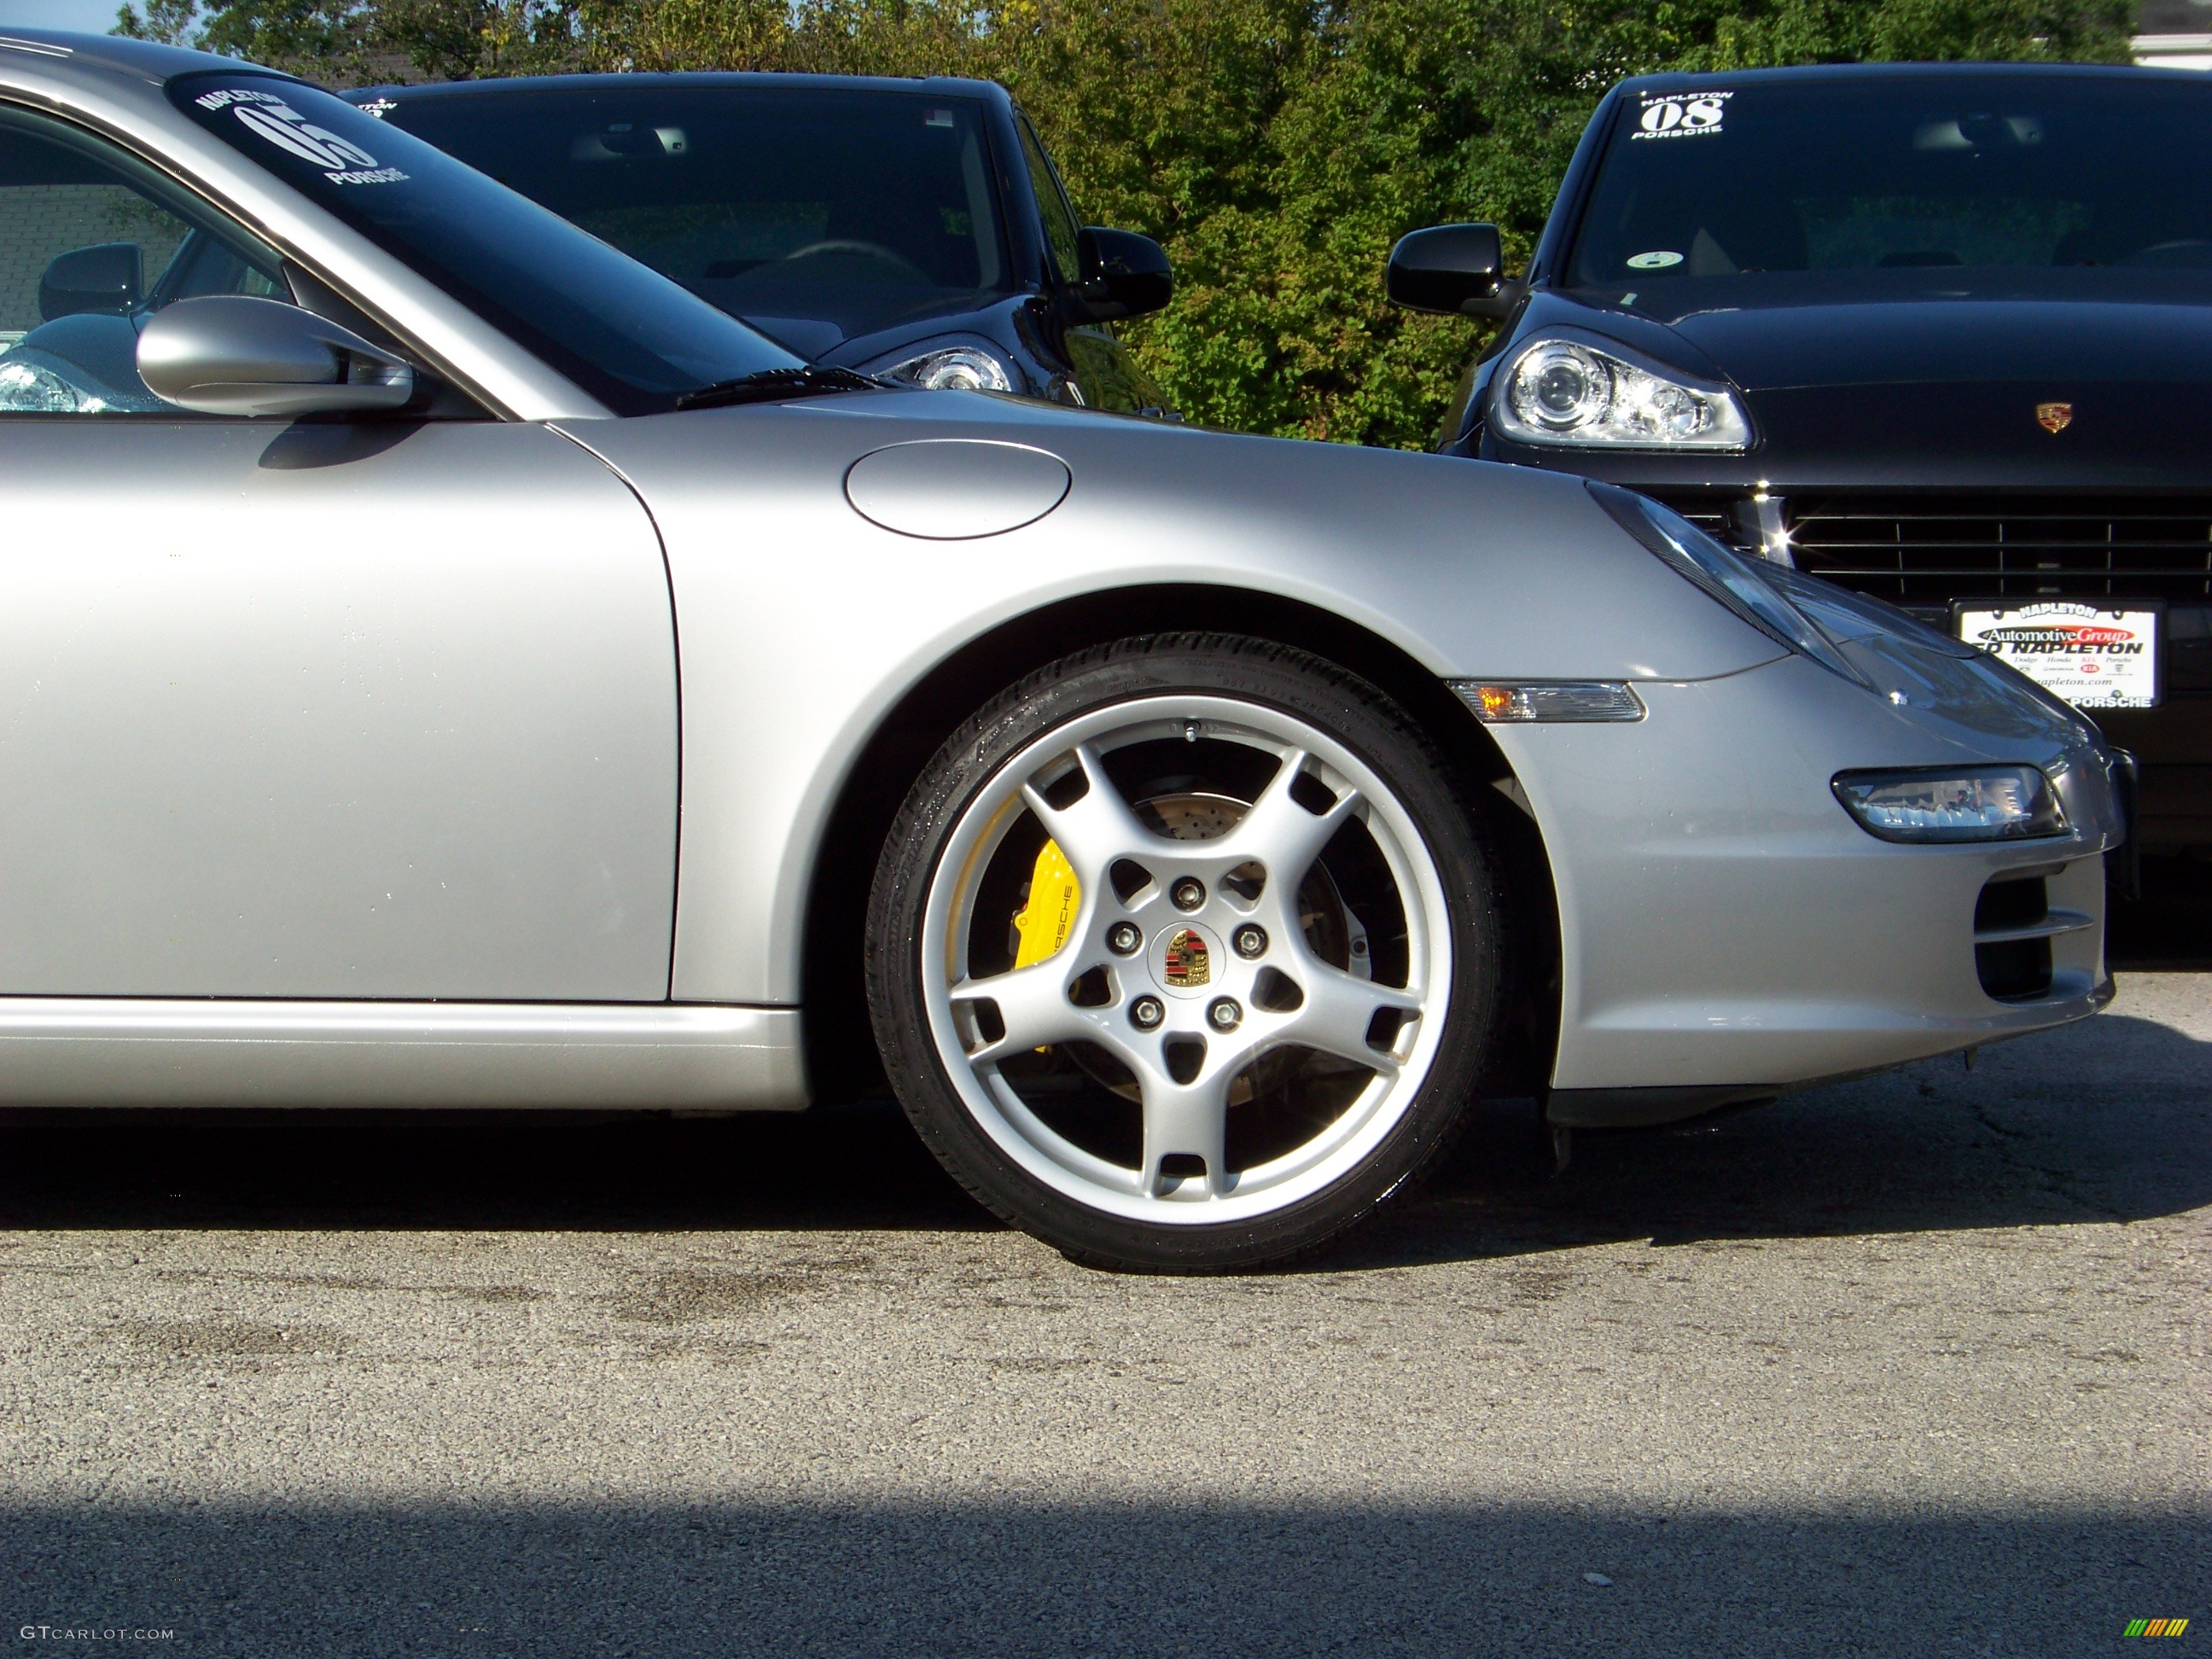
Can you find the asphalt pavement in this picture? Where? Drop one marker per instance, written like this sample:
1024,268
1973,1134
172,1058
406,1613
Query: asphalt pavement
1913,1366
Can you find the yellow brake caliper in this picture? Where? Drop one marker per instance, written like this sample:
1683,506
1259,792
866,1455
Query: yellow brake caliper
1054,894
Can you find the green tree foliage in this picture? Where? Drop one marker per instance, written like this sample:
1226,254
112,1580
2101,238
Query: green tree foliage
345,43
1277,147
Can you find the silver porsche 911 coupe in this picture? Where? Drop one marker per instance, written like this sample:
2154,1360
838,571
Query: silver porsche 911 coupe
444,662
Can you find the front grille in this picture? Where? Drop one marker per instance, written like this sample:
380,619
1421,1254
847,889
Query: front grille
1937,549
1922,551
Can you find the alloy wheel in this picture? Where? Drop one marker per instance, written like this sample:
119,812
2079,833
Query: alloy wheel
1185,959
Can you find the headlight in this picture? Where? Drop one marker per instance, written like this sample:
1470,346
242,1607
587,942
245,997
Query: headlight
1561,391
26,389
1982,802
1721,572
955,368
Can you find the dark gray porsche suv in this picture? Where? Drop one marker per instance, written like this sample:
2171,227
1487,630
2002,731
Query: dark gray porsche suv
912,229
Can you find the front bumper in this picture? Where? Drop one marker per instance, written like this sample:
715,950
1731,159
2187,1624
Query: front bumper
1923,548
1725,926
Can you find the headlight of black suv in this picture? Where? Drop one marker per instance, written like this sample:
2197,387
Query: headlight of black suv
953,366
1560,391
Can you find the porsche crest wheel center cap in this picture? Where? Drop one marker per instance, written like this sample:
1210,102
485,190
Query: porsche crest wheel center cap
1187,960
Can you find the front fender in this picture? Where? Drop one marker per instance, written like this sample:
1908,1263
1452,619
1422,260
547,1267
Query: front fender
801,625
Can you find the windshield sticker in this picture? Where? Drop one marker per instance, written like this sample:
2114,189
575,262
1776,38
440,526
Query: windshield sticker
270,117
1657,259
1682,115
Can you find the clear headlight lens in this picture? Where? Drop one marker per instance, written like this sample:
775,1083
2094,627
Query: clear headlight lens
1721,572
1561,391
1981,803
956,368
26,389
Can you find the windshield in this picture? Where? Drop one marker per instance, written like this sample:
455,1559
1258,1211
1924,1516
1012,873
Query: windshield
633,339
815,213
1918,171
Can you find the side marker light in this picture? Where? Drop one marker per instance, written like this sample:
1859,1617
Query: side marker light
1550,701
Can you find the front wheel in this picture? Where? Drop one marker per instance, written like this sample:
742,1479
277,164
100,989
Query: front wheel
1182,953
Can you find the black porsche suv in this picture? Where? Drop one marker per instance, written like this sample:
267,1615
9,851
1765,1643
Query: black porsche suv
914,230
1942,334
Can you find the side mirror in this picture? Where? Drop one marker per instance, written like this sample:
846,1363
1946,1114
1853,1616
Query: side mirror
1454,269
105,280
228,354
1124,275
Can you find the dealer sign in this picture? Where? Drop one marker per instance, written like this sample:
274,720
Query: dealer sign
2093,657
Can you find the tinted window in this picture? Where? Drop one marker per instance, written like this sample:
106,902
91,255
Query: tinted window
845,210
93,242
1920,171
1059,226
632,338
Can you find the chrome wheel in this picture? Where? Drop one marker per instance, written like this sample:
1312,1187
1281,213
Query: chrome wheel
1185,959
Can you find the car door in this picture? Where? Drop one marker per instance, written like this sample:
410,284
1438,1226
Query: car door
318,709
1105,373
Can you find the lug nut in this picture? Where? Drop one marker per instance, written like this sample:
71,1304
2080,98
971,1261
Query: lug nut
1123,938
1145,1014
1187,894
1250,941
1224,1014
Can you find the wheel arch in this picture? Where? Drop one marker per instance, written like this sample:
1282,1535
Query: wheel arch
841,1052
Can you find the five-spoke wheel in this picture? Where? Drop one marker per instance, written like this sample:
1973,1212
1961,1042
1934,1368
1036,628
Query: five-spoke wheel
1185,953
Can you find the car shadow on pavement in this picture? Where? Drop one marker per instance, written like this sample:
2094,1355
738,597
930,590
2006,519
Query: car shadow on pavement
1004,1576
2170,925
835,1168
2110,1120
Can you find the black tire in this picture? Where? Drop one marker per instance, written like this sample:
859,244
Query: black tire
1371,727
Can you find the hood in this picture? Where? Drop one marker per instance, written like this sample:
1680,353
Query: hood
1769,333
1858,377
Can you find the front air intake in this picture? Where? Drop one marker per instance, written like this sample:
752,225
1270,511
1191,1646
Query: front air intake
2012,939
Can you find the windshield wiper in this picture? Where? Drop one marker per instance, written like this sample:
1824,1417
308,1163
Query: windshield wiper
769,385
